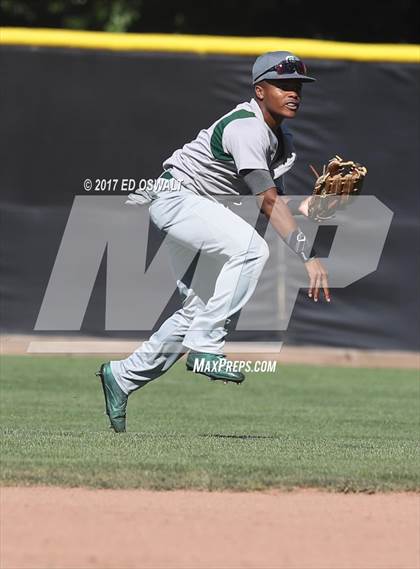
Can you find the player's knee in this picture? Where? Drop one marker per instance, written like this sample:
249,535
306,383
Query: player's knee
265,252
259,250
254,252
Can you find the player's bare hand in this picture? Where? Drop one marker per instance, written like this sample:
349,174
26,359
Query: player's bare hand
318,280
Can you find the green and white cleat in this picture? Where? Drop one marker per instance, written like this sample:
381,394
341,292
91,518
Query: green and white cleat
115,398
215,366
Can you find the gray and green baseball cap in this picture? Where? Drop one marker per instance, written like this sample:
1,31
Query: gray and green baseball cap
279,65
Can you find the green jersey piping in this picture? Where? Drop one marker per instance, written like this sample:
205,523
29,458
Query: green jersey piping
216,143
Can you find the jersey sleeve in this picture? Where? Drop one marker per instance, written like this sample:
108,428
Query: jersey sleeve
258,181
247,141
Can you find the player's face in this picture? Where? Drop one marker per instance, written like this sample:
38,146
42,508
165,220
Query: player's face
282,97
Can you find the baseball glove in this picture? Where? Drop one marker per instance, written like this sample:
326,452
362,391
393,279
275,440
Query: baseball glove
340,181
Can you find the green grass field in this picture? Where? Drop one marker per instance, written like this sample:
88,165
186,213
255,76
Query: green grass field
335,428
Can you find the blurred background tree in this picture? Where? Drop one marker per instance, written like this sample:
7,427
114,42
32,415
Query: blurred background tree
392,21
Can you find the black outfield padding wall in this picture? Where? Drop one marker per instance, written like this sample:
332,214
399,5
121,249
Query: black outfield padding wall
68,115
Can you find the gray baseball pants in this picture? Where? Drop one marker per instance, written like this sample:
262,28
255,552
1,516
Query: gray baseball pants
232,259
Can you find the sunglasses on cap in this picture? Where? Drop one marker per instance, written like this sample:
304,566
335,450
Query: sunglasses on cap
286,68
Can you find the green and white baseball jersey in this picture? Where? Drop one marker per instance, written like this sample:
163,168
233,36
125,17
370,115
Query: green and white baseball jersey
240,140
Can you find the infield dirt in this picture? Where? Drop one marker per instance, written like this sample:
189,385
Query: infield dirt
77,528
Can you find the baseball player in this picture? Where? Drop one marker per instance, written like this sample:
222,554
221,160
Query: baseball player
242,153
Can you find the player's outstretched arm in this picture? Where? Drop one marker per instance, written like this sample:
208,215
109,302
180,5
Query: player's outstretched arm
278,213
